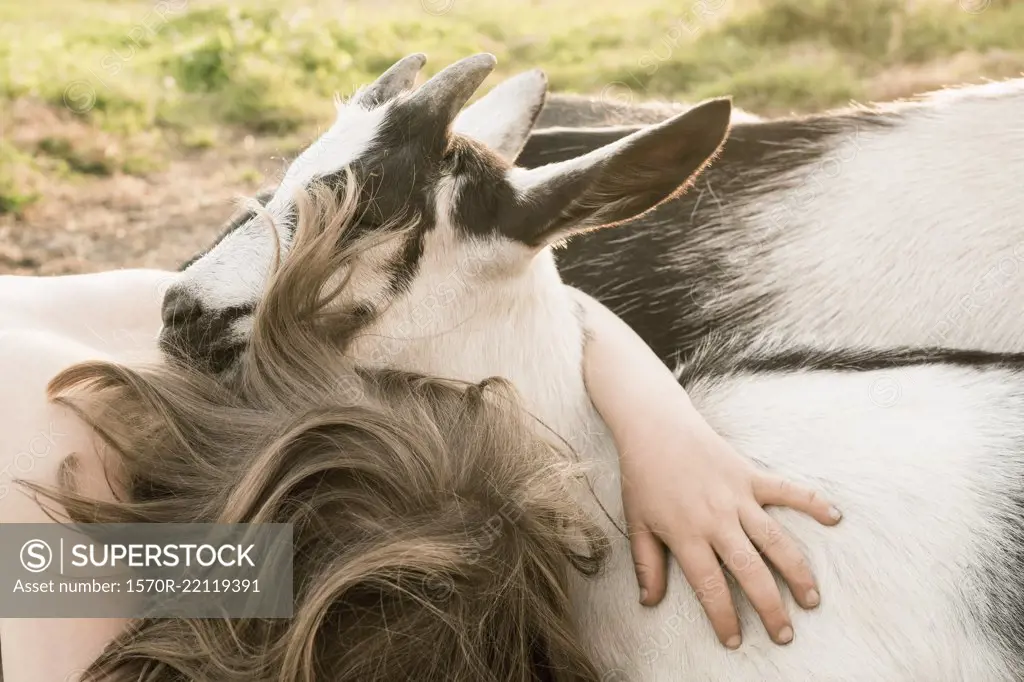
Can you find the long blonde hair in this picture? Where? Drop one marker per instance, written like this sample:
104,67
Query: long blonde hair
433,526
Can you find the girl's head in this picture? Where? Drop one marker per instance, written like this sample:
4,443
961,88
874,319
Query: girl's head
434,523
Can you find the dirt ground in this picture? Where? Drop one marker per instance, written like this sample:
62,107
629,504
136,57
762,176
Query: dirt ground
90,224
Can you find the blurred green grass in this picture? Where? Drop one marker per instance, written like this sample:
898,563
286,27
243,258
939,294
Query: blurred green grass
198,72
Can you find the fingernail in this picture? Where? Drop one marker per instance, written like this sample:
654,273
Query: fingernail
733,642
813,598
643,594
835,514
785,635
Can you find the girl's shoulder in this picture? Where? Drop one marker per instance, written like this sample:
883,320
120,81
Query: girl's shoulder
115,313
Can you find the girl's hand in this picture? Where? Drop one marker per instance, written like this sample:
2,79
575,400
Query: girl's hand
683,486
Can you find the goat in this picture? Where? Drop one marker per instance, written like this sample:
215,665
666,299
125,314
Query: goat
804,228
922,449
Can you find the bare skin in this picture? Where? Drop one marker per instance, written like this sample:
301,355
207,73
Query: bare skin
683,486
46,325
686,488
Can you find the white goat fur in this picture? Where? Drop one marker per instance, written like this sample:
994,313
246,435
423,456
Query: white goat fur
912,235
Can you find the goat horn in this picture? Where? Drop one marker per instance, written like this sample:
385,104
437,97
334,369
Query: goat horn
449,90
399,78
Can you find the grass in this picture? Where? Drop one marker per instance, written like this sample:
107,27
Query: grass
198,73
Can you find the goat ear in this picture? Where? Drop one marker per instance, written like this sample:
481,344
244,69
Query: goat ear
396,80
616,182
503,118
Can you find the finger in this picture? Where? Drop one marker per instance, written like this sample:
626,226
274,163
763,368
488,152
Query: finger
704,573
779,492
649,563
779,548
750,571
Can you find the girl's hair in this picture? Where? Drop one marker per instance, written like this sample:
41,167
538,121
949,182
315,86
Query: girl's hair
434,527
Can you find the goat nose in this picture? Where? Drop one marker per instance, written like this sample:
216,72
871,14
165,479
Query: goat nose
180,308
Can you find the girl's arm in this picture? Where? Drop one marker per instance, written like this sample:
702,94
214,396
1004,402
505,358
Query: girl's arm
35,436
683,486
